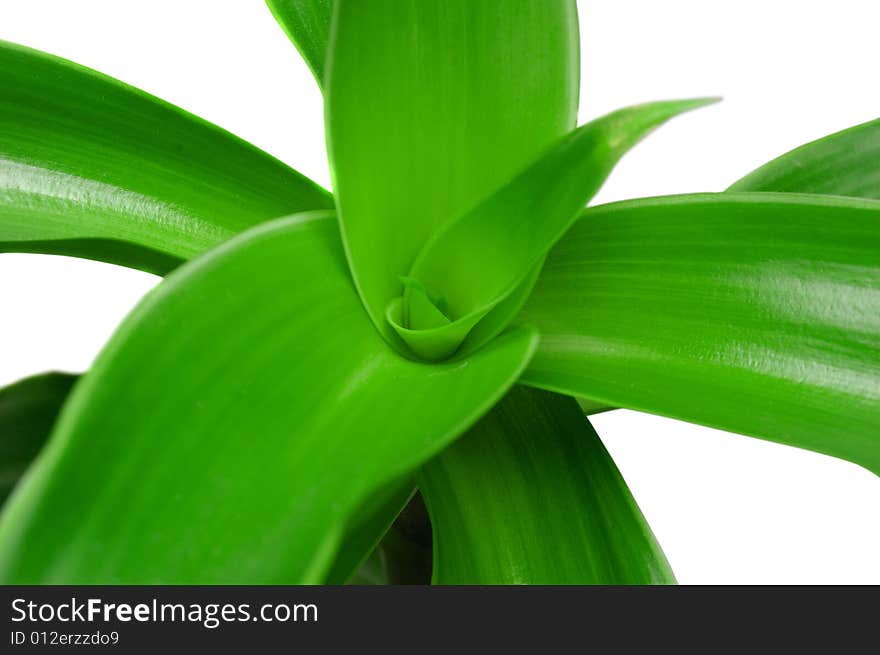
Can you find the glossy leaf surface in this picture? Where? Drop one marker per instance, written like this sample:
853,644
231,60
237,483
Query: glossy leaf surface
87,162
530,496
28,410
235,422
754,313
432,106
846,163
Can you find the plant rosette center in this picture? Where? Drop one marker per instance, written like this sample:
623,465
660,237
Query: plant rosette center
473,275
434,328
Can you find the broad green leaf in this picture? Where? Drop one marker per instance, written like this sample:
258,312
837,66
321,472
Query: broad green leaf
846,163
530,496
754,313
307,25
87,162
430,107
474,263
28,410
250,391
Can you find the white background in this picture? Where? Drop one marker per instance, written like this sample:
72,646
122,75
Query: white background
727,509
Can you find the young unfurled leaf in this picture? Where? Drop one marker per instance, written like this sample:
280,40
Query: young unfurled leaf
478,260
430,107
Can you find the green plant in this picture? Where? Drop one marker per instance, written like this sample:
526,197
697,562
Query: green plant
265,413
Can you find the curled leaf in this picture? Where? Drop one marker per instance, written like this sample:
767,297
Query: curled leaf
480,259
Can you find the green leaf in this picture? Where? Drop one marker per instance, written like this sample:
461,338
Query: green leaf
236,421
28,410
121,253
365,529
431,106
87,162
479,260
846,163
307,25
754,313
530,496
